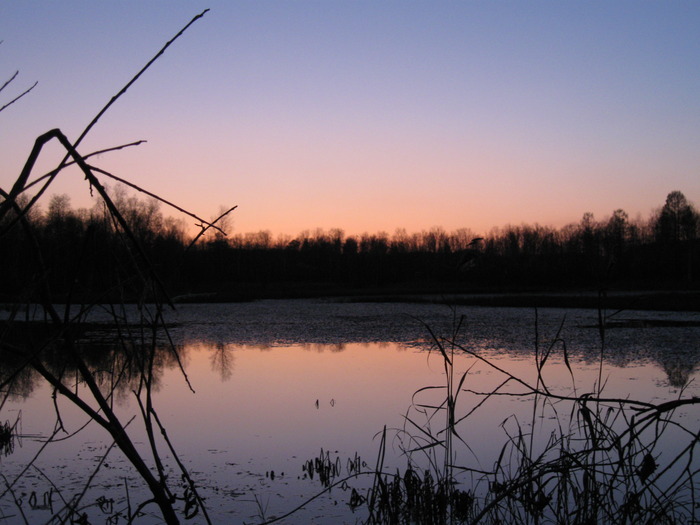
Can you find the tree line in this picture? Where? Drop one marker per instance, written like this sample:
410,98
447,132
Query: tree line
86,256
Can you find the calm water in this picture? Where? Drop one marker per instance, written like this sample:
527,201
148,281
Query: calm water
277,381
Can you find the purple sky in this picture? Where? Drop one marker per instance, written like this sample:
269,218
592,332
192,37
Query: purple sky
368,116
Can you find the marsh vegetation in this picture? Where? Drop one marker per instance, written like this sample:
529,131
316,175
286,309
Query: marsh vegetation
581,456
276,381
89,328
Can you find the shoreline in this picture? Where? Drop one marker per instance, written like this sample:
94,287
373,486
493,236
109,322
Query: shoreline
666,300
662,300
681,301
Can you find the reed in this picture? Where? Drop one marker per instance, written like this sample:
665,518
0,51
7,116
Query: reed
578,458
7,438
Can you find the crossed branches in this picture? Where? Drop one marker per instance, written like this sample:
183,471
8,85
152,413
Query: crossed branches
60,333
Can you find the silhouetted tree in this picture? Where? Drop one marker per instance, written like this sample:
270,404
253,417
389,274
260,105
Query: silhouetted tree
588,253
616,232
677,220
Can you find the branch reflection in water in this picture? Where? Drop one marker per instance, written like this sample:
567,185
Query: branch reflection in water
268,407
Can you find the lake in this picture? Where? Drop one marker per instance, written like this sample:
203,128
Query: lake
268,385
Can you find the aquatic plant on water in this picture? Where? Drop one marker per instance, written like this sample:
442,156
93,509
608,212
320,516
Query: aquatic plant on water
581,458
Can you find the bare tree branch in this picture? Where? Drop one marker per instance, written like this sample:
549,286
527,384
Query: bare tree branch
135,78
8,82
19,96
161,199
209,225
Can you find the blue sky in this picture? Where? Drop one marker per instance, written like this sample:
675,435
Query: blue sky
369,116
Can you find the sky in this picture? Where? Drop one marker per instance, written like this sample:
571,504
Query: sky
367,115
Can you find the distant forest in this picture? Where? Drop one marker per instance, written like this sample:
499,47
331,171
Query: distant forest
86,256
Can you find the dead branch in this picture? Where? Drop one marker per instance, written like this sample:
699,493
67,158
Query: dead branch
7,83
135,78
104,414
161,199
206,225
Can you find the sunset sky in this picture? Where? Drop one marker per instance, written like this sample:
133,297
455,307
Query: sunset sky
368,115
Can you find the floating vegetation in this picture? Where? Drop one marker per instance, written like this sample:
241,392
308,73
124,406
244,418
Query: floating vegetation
324,468
7,438
46,501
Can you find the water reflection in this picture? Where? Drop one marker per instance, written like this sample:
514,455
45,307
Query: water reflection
118,366
278,406
222,360
275,401
679,371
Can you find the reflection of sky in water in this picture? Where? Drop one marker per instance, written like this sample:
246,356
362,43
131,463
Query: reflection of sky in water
259,408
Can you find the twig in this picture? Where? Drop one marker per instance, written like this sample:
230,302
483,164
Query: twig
55,171
72,506
18,96
135,78
205,226
159,198
18,503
